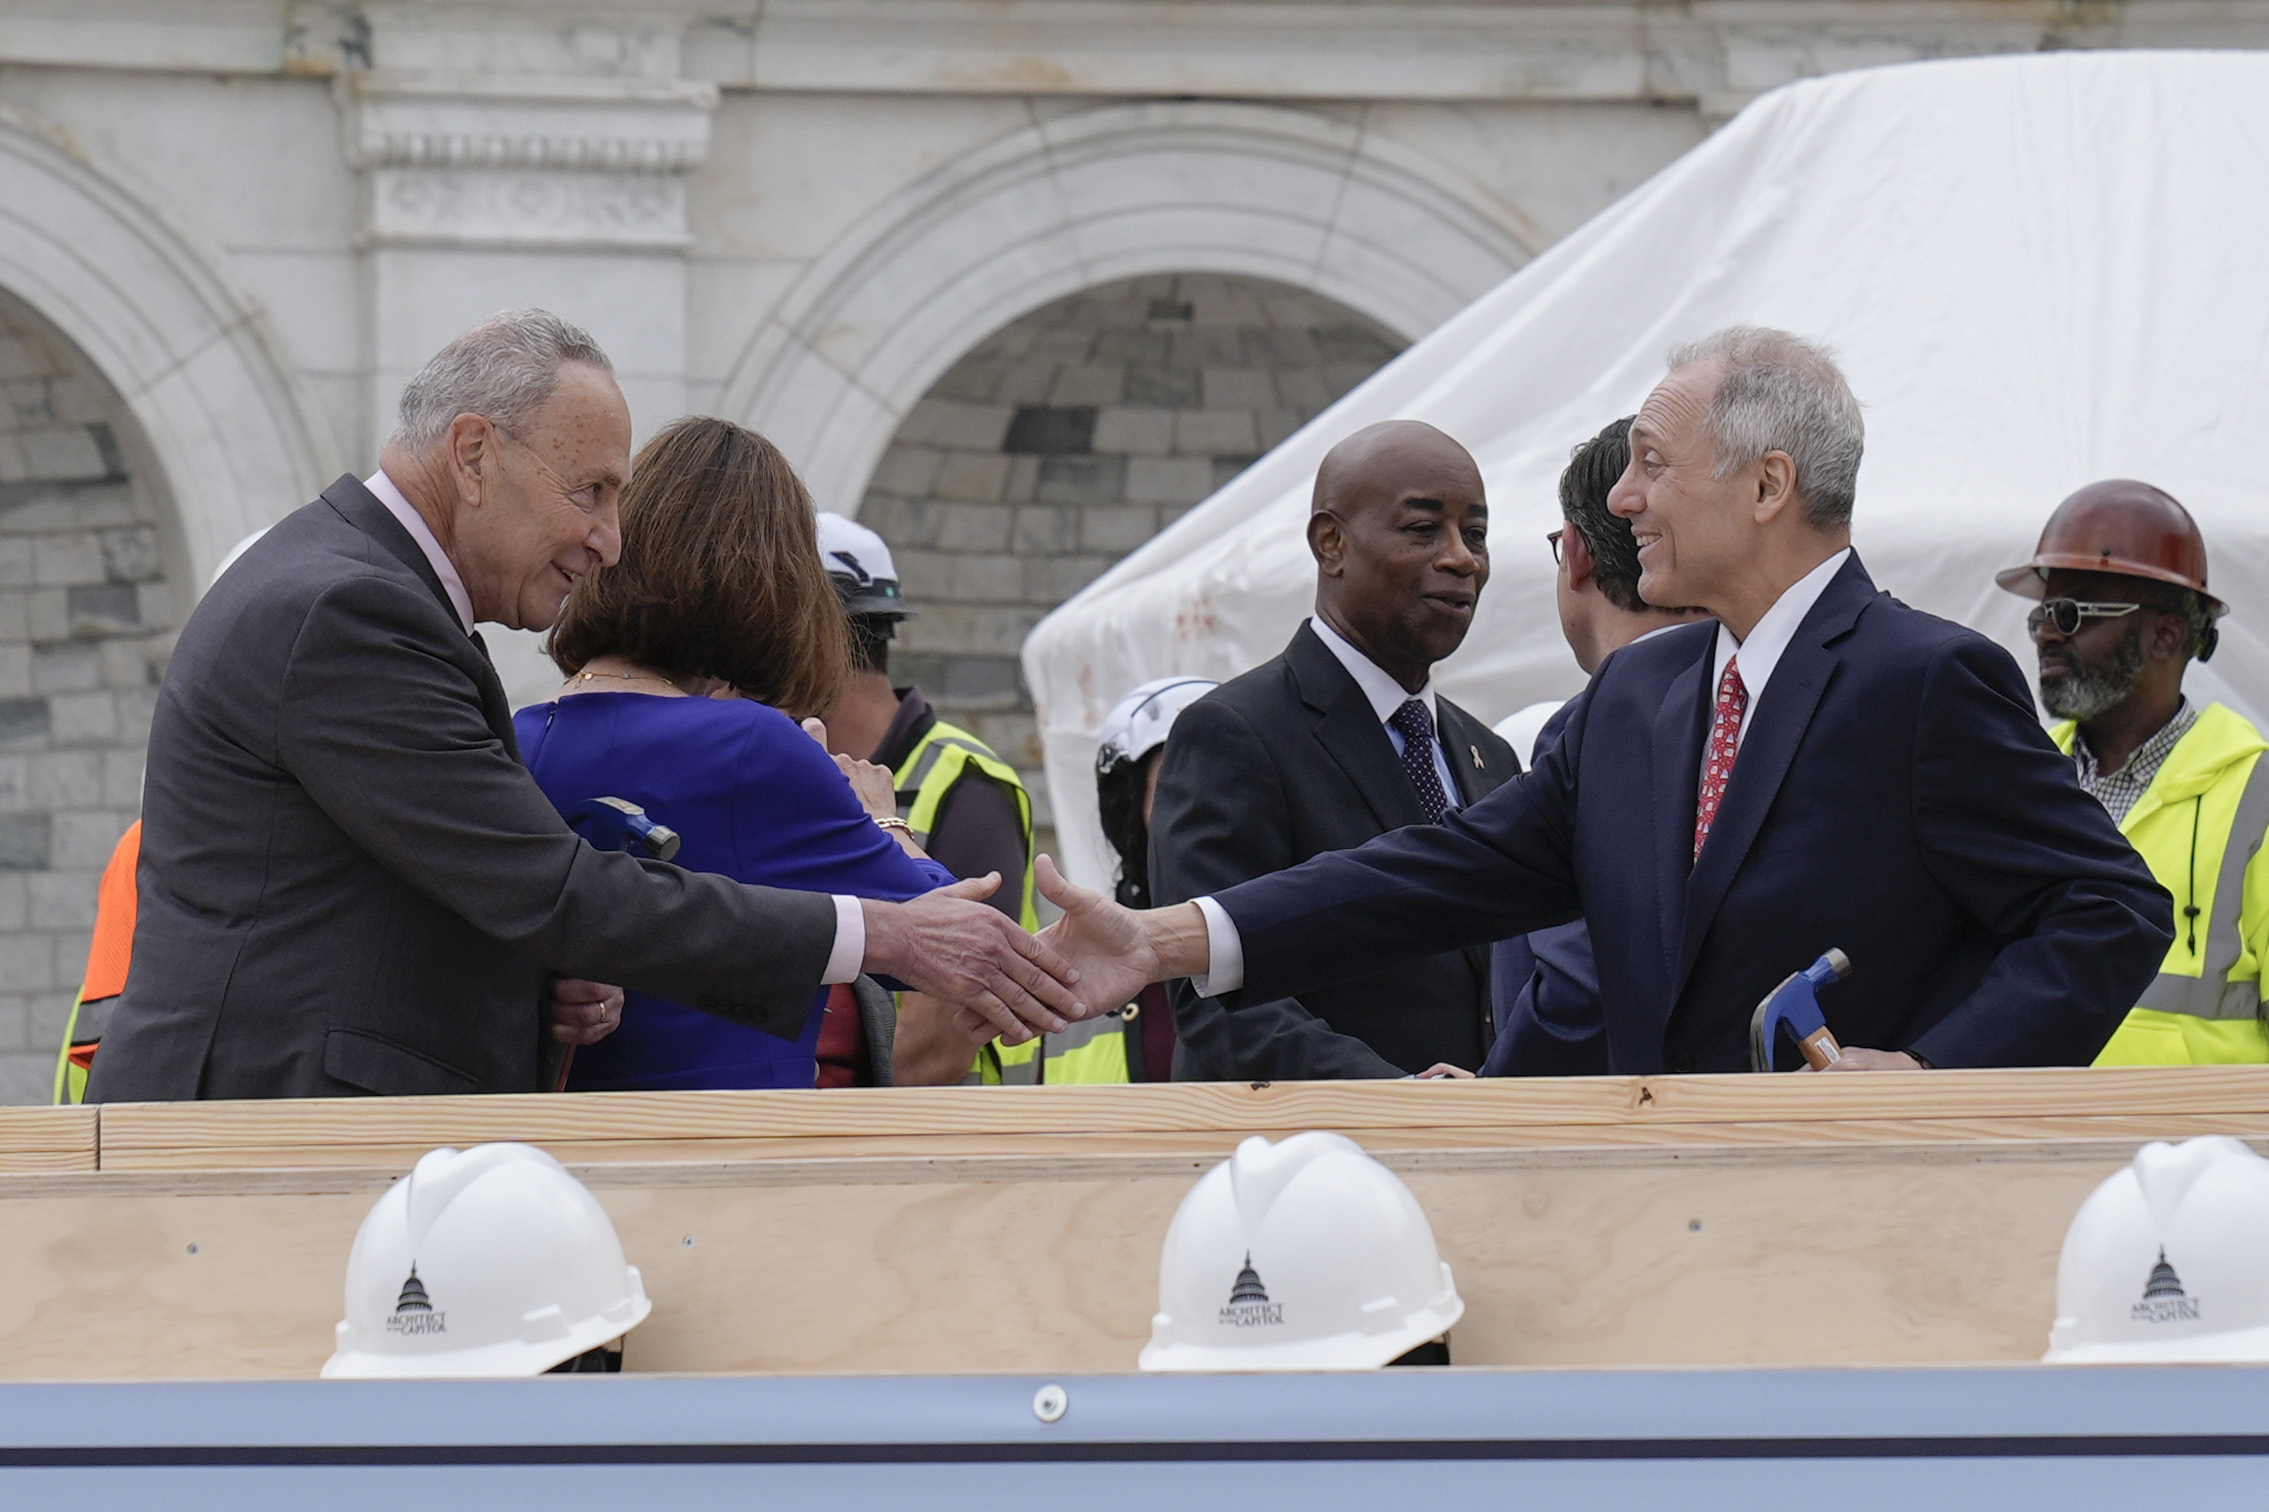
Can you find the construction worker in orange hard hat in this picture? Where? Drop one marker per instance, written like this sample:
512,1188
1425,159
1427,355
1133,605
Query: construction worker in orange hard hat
2120,574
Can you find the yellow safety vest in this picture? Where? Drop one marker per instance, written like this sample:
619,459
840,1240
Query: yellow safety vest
2199,826
1088,1052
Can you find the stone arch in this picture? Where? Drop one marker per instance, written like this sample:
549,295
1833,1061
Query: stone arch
1068,438
1314,201
230,439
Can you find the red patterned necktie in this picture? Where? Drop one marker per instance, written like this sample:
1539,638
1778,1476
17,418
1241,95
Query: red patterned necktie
1725,737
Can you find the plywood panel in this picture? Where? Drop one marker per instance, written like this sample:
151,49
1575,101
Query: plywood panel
1804,1254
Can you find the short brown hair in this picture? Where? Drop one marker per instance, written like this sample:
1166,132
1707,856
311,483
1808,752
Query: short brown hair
720,574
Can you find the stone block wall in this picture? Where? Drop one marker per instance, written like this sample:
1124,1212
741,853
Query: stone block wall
1069,438
86,615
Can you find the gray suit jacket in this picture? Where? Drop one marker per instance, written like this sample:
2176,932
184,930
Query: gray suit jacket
349,884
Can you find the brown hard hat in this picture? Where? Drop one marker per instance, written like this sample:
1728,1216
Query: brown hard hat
2118,526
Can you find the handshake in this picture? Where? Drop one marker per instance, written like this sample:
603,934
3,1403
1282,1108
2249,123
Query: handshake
1006,982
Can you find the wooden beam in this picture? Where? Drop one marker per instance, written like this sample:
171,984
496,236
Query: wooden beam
47,1139
1905,1107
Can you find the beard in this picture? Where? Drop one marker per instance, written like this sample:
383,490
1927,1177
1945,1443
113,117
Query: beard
2092,688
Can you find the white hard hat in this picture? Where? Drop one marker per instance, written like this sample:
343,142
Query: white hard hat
859,561
2164,1261
1138,722
491,1261
1304,1255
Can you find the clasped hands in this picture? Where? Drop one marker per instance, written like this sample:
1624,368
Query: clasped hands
1008,983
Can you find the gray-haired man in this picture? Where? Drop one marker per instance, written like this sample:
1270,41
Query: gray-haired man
1822,768
348,882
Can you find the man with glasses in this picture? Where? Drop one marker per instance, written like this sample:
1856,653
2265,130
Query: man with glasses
2121,576
1546,984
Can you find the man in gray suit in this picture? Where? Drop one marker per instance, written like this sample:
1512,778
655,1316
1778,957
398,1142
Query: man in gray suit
348,882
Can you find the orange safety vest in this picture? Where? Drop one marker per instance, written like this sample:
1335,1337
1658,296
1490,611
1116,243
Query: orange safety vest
107,959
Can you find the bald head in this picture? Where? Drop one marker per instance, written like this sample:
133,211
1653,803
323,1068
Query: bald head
1382,462
1399,528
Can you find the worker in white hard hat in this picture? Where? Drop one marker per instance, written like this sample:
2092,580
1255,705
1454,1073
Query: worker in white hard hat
2164,1261
1302,1255
1129,749
486,1262
965,806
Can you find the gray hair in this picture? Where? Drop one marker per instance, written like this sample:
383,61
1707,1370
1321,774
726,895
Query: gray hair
1778,392
503,369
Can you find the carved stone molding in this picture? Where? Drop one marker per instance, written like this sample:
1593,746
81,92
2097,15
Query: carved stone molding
532,162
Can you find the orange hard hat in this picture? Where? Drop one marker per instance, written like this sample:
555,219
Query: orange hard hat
2118,526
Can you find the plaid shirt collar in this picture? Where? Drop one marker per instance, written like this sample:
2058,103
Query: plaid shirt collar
2119,791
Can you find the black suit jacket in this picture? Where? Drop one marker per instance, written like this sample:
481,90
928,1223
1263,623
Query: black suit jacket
1287,762
1894,796
349,883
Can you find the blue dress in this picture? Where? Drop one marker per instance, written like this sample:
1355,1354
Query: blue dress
753,798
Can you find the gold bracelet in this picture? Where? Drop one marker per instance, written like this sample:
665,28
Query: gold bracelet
896,823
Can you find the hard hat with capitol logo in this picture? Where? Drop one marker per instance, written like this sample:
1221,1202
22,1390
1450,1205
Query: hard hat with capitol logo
1138,723
2164,1261
491,1261
1302,1255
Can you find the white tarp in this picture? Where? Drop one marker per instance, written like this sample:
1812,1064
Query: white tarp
2037,271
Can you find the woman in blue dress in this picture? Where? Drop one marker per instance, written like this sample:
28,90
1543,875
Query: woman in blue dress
689,662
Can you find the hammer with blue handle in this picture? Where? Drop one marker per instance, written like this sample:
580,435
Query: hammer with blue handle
607,824
618,824
1795,1006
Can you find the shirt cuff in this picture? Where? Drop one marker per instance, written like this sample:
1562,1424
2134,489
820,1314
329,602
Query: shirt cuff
850,950
1224,952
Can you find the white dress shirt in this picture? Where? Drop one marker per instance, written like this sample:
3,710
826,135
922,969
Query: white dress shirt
383,490
1386,696
1768,638
850,950
1760,653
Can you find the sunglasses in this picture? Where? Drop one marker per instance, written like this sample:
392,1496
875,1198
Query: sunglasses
1552,539
2066,614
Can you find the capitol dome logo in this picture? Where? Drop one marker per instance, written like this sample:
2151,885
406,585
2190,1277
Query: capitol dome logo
1249,1306
2164,1300
413,1310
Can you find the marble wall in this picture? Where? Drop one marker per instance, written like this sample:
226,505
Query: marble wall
86,611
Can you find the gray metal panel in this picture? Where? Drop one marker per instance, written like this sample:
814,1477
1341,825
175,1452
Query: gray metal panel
2014,1437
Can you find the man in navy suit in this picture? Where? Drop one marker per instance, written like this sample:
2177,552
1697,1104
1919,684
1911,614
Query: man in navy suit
1545,986
1825,767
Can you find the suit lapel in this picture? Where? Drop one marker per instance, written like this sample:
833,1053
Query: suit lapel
1784,711
1681,724
361,509
1350,732
1468,757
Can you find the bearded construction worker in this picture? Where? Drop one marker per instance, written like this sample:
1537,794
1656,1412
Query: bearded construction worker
2121,578
965,806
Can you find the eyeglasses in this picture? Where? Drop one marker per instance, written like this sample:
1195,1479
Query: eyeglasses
1552,539
2066,614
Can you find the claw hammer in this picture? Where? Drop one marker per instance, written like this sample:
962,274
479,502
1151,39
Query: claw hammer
1795,1006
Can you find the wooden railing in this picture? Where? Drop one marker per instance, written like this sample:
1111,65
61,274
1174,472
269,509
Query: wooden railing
1652,1221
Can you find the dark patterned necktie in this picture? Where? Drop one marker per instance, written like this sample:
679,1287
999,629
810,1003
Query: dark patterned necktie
1417,732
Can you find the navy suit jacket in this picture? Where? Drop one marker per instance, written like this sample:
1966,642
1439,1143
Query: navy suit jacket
1281,764
1544,989
1895,797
